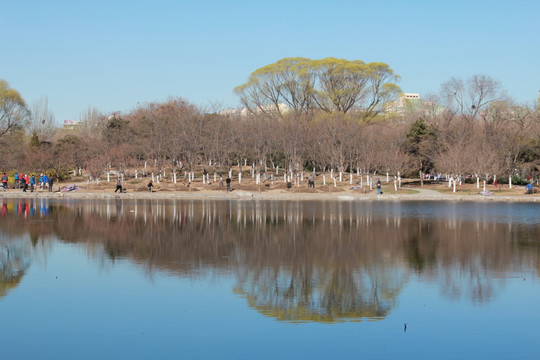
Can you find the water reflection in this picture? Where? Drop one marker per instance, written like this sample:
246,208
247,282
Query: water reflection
295,261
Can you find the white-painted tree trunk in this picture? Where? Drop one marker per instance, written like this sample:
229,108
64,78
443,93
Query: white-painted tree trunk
324,180
387,177
454,186
395,184
340,176
335,183
215,177
175,178
277,170
351,178
478,183
302,176
484,185
230,173
136,174
258,179
108,176
510,181
239,177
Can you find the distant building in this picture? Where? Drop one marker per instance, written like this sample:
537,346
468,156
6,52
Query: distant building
114,115
411,102
70,124
405,102
243,112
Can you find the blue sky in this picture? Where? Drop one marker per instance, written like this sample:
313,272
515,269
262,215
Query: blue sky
113,55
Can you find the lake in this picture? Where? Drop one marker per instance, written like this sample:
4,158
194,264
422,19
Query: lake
219,279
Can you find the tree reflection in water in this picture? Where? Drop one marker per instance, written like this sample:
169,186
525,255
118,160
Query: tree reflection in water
14,262
295,261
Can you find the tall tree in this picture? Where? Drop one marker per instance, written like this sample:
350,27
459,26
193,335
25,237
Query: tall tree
419,144
331,85
468,98
13,109
42,120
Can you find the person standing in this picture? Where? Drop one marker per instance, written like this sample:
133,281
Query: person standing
228,181
26,181
118,185
16,180
45,181
311,181
378,186
51,181
5,181
32,183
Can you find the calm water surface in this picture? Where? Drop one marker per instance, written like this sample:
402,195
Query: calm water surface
268,280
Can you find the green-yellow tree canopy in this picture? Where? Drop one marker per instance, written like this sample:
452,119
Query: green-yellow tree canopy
13,109
301,85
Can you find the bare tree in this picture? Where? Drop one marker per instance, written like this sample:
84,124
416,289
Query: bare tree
469,98
41,122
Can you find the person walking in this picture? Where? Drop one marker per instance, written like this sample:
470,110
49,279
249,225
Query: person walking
118,185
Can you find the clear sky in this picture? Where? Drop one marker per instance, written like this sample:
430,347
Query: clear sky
115,54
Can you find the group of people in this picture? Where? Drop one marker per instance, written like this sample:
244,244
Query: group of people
25,182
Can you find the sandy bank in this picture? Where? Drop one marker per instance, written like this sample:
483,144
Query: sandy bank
416,194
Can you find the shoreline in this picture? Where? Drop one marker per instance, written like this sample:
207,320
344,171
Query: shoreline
239,195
